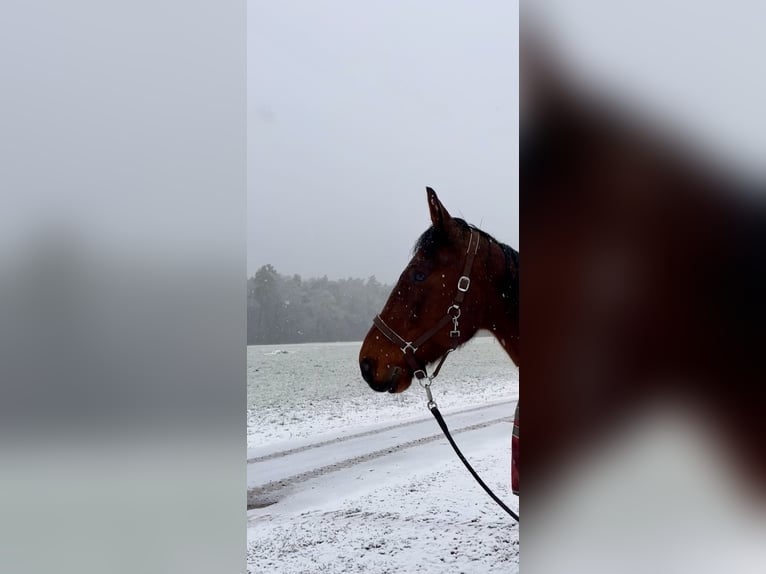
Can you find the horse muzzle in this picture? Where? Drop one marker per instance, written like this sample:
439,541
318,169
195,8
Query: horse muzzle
393,382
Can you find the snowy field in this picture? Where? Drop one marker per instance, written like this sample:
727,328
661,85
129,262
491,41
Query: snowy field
342,479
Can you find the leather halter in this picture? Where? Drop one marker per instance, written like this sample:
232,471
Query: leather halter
409,348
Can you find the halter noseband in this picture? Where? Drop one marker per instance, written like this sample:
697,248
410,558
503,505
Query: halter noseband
409,348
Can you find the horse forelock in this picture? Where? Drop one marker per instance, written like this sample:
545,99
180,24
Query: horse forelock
434,238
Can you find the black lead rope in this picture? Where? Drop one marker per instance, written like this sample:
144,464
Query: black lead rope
439,419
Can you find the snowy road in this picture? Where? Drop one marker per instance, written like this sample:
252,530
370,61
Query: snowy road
393,498
271,474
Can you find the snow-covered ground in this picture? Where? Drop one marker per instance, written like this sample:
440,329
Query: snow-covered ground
342,479
397,500
301,392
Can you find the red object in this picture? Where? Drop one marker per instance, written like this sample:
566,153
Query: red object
515,453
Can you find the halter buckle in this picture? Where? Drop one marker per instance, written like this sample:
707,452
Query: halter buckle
463,284
420,374
454,334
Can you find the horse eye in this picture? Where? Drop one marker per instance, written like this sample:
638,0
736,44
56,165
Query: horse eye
419,276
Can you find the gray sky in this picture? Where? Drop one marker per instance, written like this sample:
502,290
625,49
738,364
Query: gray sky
355,107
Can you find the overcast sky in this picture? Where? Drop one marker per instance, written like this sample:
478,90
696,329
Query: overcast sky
355,107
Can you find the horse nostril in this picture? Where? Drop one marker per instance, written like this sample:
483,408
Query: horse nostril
368,369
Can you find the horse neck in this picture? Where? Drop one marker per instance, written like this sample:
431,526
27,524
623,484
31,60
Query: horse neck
506,331
501,310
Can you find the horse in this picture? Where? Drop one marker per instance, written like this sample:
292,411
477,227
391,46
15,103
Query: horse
459,281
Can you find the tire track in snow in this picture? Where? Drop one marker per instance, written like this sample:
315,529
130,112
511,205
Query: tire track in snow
375,431
269,493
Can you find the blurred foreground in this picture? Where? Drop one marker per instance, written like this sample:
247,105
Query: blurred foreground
644,234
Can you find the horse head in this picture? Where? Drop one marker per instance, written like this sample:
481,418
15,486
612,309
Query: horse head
458,281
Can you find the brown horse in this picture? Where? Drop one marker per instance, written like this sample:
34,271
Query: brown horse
460,280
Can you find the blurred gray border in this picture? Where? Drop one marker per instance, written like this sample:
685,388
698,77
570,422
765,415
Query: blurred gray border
122,286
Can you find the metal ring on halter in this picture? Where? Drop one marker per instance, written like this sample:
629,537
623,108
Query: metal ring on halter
456,308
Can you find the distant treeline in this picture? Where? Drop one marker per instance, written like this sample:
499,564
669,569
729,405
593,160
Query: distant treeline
283,309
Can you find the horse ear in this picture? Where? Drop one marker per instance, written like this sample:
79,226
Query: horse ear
439,214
